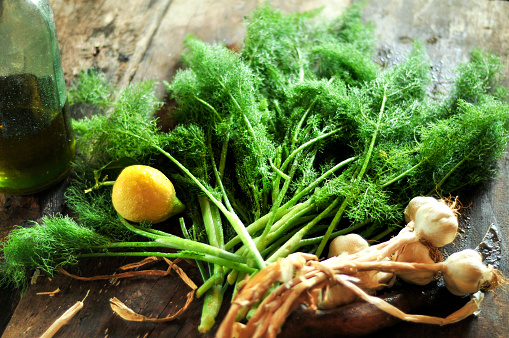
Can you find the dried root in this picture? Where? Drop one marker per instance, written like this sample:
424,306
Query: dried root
125,312
63,319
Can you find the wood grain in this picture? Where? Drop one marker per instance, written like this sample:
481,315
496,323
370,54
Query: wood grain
111,35
213,21
133,40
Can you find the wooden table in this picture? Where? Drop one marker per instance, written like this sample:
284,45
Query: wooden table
132,40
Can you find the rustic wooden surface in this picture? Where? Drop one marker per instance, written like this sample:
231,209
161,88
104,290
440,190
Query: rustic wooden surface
131,40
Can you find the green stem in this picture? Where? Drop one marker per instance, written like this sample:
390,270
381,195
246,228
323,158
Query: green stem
213,280
208,221
100,185
463,160
161,233
272,248
315,240
403,174
303,184
383,234
281,227
278,171
255,227
275,183
200,247
232,277
306,145
236,223
360,175
209,107
201,268
275,207
284,209
216,217
373,140
264,241
320,179
219,182
175,242
214,229
184,254
301,122
132,245
293,242
292,216
211,306
279,241
335,221
222,159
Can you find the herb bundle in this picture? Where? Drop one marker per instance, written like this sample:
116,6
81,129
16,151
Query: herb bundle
298,138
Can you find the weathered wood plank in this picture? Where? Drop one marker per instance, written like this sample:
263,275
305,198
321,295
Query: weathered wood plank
111,35
213,21
146,295
450,29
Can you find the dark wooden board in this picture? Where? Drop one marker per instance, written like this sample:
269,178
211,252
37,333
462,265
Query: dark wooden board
132,40
152,296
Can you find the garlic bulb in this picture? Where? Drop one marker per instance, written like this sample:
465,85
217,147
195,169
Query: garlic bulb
350,244
436,223
465,273
334,296
416,253
414,204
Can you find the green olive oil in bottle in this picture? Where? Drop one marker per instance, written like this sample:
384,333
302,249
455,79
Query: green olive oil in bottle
36,140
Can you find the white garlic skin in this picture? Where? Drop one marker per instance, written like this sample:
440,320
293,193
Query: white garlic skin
464,272
334,296
414,204
350,244
436,223
415,253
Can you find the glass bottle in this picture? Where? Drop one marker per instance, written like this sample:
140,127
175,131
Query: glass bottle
36,140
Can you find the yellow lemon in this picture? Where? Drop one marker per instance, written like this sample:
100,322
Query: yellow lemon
142,193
